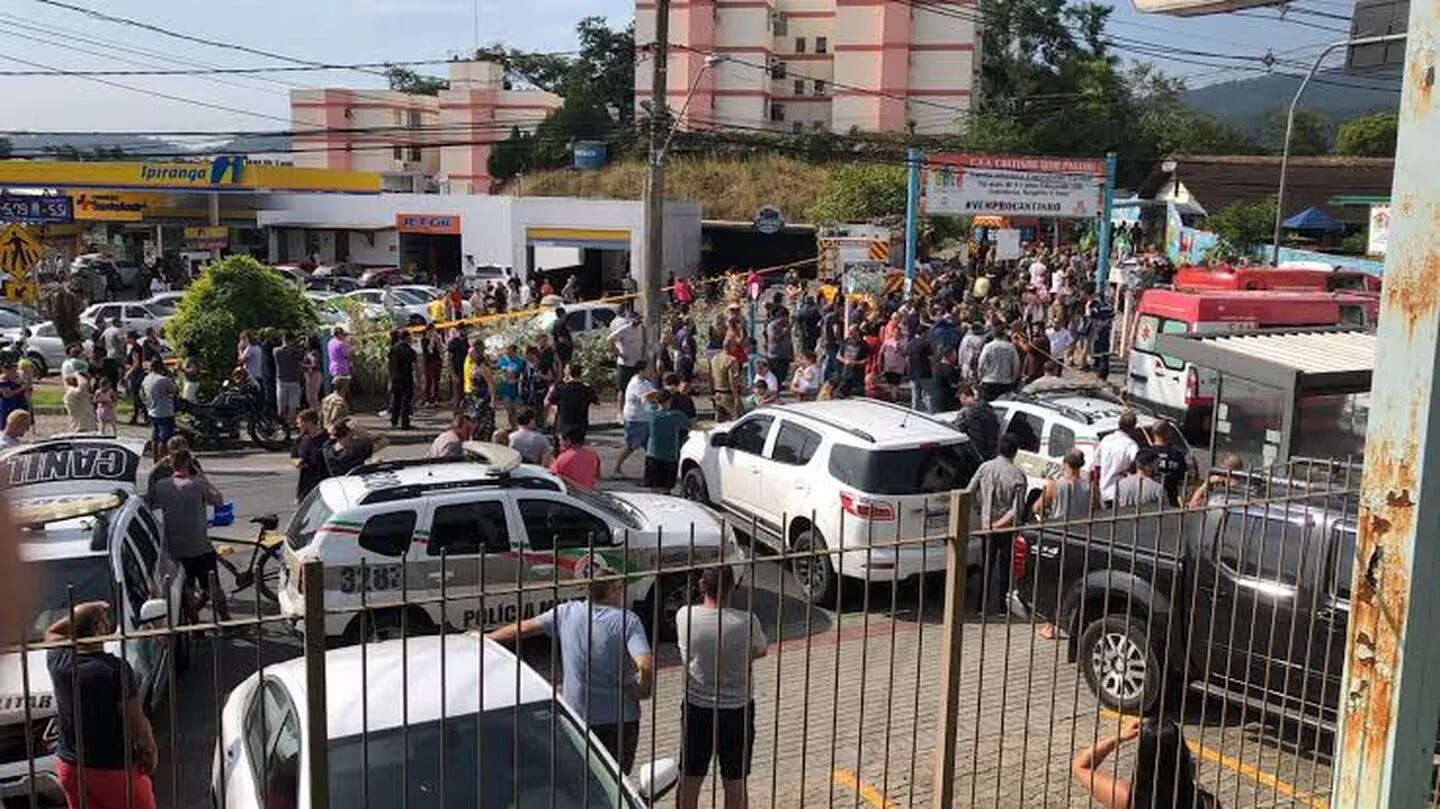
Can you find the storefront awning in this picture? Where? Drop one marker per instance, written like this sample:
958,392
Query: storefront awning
592,238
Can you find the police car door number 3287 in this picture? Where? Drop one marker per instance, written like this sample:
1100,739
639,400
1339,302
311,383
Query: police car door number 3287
380,578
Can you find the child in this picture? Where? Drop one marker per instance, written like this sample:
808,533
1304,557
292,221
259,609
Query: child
105,407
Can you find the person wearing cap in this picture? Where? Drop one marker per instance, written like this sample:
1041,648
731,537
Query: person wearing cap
608,665
1142,489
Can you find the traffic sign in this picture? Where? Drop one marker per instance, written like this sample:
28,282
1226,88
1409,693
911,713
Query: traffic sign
36,209
19,253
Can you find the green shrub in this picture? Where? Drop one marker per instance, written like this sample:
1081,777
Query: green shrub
231,296
596,356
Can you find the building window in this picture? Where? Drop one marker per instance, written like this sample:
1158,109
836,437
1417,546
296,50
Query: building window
414,154
817,125
797,127
819,87
777,70
414,119
782,26
398,153
799,44
777,112
799,87
822,44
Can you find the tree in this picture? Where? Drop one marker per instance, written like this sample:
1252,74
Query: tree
512,156
860,191
1368,136
1243,226
405,80
233,295
1310,136
603,69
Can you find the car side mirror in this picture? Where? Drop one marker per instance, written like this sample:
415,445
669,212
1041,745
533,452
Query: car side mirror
655,779
155,609
719,439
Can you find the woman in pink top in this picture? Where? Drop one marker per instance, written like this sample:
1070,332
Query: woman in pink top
339,351
577,463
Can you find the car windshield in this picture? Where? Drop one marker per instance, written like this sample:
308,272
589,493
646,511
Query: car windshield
610,504
85,578
10,320
409,296
312,513
529,757
918,470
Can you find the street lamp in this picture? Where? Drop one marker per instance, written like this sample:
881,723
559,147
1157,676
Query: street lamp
655,192
1290,126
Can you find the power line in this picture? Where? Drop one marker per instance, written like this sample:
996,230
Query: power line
222,71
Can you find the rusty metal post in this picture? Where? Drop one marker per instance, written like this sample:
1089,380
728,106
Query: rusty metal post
317,739
957,537
1388,703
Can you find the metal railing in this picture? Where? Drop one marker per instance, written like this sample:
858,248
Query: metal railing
1223,624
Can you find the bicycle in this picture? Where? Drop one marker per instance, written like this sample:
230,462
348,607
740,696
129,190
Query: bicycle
263,572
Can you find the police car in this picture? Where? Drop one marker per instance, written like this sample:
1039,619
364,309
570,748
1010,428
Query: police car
419,531
86,535
499,730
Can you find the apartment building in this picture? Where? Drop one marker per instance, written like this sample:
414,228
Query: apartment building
418,143
800,65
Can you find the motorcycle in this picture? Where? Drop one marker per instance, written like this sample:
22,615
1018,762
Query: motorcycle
219,420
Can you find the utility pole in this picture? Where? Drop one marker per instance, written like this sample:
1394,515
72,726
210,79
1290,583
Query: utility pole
653,270
1388,701
1107,201
914,159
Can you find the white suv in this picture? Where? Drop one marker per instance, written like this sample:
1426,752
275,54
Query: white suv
420,530
814,476
1050,423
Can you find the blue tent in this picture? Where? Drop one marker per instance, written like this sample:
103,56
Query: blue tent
1312,219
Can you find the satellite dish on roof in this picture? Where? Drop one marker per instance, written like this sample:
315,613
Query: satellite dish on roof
500,458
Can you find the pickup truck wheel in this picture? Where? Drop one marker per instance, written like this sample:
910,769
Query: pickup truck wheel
814,573
1121,664
692,486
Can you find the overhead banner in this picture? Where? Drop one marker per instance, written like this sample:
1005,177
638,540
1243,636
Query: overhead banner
222,174
434,224
968,185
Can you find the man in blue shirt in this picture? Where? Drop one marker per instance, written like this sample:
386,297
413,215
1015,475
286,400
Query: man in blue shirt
608,664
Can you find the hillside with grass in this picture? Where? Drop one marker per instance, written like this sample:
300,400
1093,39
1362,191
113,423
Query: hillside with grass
726,188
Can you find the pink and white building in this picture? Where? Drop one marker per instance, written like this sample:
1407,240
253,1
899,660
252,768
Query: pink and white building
838,65
419,143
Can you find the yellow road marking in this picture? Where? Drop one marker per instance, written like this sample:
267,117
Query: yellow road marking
1250,771
867,793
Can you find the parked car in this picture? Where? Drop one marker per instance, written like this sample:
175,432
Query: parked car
134,315
84,536
385,717
389,523
43,345
338,284
164,304
381,277
582,318
815,476
1050,423
120,274
345,270
1248,597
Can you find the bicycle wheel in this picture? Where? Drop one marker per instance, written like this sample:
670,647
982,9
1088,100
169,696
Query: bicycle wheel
268,566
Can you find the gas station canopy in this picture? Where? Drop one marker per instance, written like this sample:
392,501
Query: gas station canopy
226,174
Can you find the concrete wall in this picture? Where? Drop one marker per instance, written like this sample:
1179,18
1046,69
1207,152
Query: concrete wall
492,229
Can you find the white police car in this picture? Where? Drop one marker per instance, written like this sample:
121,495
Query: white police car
85,535
477,533
392,740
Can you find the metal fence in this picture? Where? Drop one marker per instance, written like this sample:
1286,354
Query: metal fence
1224,624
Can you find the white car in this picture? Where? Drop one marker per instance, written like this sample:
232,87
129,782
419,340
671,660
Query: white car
85,535
1049,423
383,302
818,476
164,304
505,734
582,318
392,532
133,315
44,346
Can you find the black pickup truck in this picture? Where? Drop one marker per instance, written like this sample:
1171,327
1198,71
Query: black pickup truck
1242,597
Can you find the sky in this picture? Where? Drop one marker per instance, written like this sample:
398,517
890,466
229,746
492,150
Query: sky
349,31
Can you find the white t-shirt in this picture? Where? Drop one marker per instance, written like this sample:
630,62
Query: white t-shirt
635,391
717,646
629,342
806,379
1113,456
772,385
1057,280
1038,273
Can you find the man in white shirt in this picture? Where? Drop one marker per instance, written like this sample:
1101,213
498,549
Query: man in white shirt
998,366
632,413
1114,456
628,338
